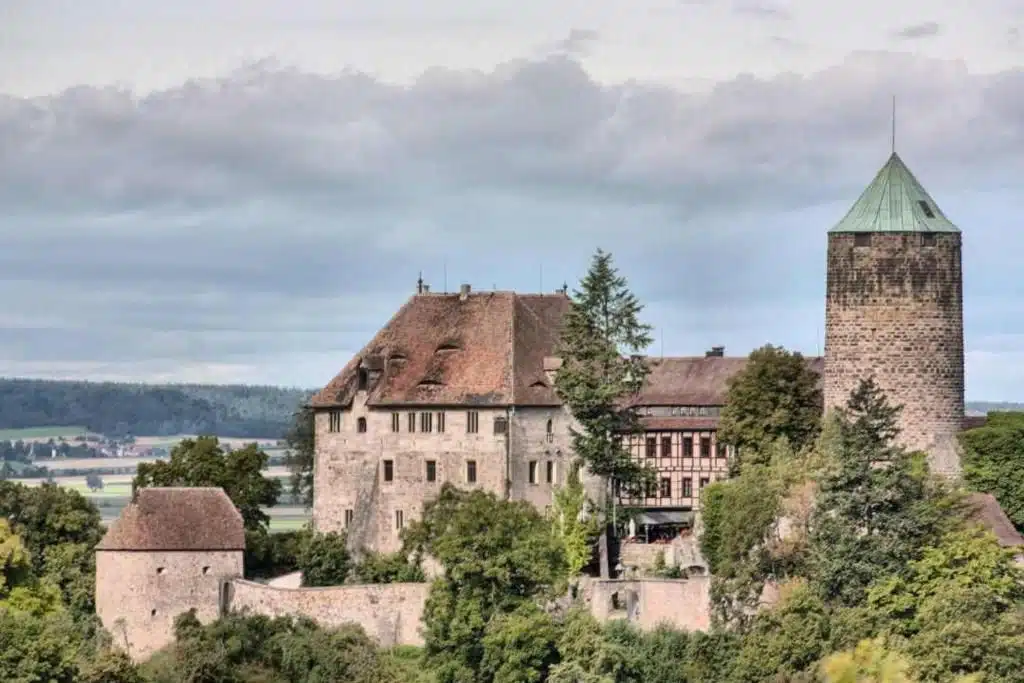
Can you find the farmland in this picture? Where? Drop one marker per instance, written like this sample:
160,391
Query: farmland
43,434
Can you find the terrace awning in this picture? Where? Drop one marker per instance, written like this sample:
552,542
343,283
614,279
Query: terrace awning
659,517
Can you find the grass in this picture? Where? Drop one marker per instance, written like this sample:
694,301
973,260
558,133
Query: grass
42,433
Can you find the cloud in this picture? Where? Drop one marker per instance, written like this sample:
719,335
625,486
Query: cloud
762,10
578,43
926,29
271,220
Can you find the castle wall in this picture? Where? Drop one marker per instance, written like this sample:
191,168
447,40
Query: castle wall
647,603
139,594
533,446
389,613
894,311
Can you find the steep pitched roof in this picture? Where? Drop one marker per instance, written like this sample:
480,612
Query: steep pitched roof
484,348
895,202
987,513
177,518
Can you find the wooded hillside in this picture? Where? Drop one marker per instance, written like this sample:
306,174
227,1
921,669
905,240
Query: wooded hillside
116,409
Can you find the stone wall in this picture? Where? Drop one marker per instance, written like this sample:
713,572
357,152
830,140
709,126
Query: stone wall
894,311
389,613
139,594
646,603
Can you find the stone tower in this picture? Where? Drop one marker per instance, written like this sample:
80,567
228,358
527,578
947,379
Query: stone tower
894,311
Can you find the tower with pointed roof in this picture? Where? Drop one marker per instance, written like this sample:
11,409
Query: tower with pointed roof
894,311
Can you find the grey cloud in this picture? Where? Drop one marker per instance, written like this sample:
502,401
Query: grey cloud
277,212
925,29
1013,37
762,10
578,43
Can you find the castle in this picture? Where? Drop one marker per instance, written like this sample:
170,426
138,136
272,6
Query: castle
460,388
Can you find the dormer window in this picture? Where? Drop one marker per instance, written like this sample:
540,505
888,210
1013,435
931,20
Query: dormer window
361,425
364,379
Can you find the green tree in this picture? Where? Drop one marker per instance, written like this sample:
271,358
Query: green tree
301,455
519,647
876,507
992,460
15,566
388,568
94,481
496,555
202,462
576,530
775,396
324,560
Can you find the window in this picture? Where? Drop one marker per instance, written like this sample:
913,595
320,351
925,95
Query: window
687,488
389,470
399,519
396,422
652,447
361,425
431,470
411,419
472,422
687,447
363,379
704,481
159,570
665,489
349,515
705,446
721,450
206,570
862,239
426,422
500,425
928,239
550,431
440,421
334,421
533,472
925,209
550,478
666,446
471,471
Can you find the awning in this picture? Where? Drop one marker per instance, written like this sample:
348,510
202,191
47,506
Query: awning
657,517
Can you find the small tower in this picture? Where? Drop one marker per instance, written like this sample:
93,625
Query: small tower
894,311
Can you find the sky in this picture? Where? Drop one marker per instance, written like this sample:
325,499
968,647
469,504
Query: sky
246,190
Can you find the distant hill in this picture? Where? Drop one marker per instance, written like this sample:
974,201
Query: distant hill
116,409
984,407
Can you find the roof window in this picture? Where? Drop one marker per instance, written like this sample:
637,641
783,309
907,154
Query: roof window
925,208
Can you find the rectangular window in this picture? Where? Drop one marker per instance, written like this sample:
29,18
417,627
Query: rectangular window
389,470
705,446
471,471
666,446
411,419
431,470
334,421
652,490
687,447
666,487
349,514
652,447
862,239
500,425
687,488
472,422
399,519
704,482
440,421
533,472
551,471
396,422
721,450
426,422
928,239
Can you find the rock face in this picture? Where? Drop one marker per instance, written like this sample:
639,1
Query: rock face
894,312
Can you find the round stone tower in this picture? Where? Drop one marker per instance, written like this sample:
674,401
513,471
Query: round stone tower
894,311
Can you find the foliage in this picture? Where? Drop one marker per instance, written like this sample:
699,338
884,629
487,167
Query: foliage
387,568
202,462
519,647
596,379
15,567
301,455
776,396
575,529
497,555
94,481
872,662
268,555
324,560
116,409
991,462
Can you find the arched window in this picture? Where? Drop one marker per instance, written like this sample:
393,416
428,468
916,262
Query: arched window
550,436
551,426
361,425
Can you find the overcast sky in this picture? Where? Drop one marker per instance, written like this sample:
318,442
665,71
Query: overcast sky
245,190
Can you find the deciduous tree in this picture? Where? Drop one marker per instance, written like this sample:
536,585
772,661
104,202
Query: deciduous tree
301,455
992,461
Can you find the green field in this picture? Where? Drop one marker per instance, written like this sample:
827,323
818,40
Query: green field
42,433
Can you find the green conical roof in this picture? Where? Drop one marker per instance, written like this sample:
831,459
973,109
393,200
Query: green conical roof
895,202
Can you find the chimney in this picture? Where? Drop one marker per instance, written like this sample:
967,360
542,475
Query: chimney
715,352
464,292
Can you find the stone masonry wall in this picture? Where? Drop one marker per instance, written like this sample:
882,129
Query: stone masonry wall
139,594
894,311
389,613
681,603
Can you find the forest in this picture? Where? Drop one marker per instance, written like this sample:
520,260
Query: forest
116,409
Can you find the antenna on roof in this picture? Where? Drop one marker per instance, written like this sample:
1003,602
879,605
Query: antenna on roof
893,124
419,283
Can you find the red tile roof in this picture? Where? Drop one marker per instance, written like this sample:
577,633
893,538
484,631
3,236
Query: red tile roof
177,518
